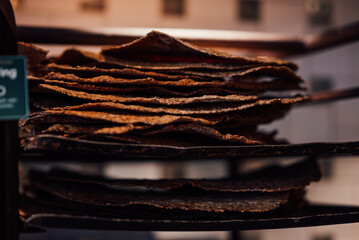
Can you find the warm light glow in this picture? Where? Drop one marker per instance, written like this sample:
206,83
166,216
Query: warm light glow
14,3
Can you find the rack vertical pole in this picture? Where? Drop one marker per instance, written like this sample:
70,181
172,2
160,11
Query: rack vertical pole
9,146
233,165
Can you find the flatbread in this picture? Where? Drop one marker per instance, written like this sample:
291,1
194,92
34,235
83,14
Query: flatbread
251,74
276,84
34,54
157,50
202,110
141,91
127,73
43,101
144,100
250,117
76,57
78,129
45,116
198,129
271,179
200,75
37,118
145,130
92,195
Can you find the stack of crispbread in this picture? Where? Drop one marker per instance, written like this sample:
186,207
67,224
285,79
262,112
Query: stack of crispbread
273,191
159,90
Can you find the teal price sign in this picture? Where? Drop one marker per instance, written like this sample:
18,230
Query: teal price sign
14,96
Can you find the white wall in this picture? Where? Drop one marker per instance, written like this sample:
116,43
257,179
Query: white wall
276,15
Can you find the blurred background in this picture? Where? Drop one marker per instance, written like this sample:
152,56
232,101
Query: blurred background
334,68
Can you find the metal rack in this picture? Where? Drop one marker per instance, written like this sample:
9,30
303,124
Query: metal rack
312,215
9,228
39,148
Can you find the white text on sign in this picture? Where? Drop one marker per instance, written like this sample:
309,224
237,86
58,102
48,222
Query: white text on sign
8,72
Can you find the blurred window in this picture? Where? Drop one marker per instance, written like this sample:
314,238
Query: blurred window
321,83
249,10
92,5
173,7
325,237
319,12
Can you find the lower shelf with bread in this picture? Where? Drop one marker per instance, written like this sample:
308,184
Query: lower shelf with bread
271,197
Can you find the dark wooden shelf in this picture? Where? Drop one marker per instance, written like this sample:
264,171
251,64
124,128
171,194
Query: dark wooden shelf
50,147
